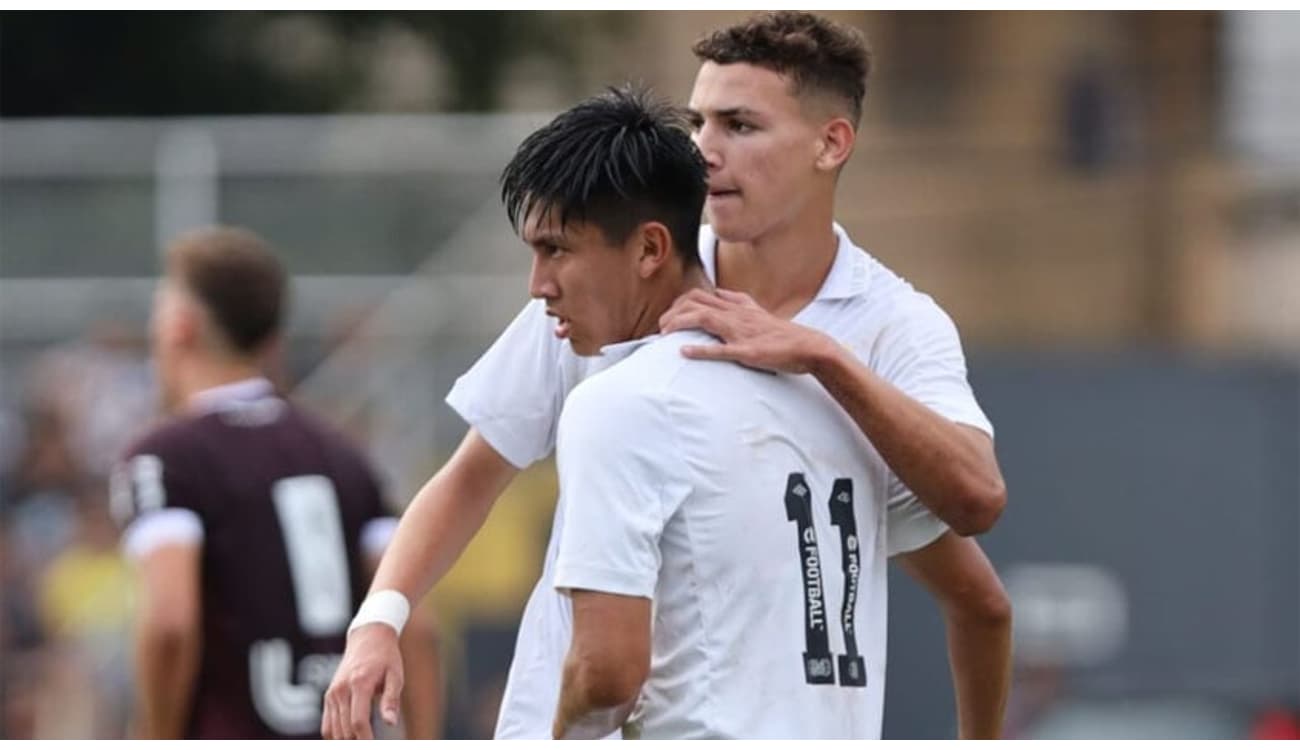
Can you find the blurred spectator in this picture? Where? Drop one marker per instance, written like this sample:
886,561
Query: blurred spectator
18,694
21,638
12,441
85,599
44,460
1088,104
65,590
86,593
37,504
98,391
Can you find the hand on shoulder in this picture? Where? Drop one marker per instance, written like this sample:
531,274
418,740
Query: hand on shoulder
750,335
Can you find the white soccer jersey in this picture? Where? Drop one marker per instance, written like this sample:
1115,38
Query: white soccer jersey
514,393
750,509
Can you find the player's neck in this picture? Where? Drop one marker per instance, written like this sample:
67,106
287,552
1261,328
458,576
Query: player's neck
662,296
784,269
211,373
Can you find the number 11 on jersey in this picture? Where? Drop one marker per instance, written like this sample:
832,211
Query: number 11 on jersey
819,669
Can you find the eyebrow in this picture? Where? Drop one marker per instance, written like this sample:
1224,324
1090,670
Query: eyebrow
728,112
545,238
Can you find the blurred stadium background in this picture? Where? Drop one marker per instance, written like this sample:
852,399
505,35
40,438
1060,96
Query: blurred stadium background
1107,203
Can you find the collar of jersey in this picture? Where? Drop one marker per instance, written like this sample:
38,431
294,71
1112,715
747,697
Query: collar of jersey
240,391
849,275
619,350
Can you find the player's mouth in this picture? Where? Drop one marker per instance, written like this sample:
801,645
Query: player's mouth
720,194
562,324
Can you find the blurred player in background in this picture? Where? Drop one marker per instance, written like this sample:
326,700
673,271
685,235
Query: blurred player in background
255,528
776,106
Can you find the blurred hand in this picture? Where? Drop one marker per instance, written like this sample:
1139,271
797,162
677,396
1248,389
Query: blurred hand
750,335
371,663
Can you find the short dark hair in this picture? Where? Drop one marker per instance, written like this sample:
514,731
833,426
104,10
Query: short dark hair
236,277
616,160
820,55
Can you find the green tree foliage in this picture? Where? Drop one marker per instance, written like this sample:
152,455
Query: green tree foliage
227,62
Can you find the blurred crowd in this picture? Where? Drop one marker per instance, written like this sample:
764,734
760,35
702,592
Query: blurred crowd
65,590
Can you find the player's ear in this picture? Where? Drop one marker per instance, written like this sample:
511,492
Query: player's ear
654,247
836,144
166,317
187,324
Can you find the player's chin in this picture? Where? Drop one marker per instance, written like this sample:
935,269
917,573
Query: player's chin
731,226
583,346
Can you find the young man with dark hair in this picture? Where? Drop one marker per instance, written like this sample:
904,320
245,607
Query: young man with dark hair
611,164
254,527
603,154
795,295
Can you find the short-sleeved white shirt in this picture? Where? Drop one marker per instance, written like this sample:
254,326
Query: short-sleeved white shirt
514,394
750,509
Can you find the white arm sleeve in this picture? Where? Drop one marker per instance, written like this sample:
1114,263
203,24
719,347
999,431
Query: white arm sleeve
376,534
909,524
513,393
920,353
619,484
159,528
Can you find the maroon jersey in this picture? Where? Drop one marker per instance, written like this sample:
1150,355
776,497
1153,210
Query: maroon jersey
282,501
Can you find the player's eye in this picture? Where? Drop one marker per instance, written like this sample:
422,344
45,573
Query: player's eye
740,126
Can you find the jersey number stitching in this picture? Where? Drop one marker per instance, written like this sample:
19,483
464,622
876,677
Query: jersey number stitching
819,669
308,510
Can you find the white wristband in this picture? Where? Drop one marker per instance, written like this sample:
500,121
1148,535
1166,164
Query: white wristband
387,606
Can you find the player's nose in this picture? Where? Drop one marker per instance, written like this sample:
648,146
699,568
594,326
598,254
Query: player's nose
708,145
541,284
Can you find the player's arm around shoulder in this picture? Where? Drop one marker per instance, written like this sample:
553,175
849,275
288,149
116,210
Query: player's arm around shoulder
919,352
910,397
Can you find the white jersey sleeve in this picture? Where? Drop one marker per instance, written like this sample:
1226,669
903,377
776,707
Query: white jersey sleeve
910,524
920,353
513,393
621,479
